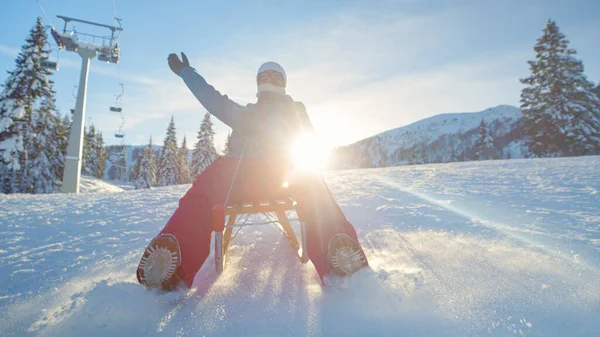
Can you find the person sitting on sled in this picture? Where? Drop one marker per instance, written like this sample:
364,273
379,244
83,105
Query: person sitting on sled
262,137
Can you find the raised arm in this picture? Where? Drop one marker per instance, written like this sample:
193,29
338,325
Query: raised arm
220,106
302,119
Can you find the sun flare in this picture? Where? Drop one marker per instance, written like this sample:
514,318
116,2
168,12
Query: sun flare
309,153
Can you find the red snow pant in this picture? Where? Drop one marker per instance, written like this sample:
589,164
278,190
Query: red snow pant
257,179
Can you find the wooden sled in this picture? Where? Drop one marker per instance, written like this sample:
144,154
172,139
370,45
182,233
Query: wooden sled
224,229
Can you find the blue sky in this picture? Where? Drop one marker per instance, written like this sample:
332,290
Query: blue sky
360,67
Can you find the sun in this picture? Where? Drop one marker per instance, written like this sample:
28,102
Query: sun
310,153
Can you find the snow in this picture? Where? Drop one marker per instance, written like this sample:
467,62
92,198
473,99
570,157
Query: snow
492,248
446,137
8,148
89,184
429,129
13,109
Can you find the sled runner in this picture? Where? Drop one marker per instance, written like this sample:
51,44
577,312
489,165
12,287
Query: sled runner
273,210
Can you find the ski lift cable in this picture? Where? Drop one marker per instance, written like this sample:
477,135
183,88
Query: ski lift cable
44,12
114,13
50,65
118,96
118,104
116,20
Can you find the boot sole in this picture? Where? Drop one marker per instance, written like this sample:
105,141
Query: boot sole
160,261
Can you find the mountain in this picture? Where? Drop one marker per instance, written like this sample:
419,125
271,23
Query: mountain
442,138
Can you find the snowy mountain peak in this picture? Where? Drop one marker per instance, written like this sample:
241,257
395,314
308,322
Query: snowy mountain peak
440,137
446,123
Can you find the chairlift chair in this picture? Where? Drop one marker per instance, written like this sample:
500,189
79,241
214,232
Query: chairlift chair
109,51
116,107
119,133
110,55
50,65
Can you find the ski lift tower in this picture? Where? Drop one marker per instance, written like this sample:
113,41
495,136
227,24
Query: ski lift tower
87,46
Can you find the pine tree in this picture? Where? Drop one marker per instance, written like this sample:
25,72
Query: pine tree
561,114
45,156
28,121
424,155
135,171
417,156
100,156
205,152
94,154
597,90
484,145
227,144
183,164
64,129
152,156
88,156
453,156
167,167
146,169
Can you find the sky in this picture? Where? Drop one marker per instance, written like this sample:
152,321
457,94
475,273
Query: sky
360,67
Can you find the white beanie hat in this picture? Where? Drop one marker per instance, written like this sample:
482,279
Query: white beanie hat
272,66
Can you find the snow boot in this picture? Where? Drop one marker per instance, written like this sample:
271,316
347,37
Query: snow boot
160,264
345,255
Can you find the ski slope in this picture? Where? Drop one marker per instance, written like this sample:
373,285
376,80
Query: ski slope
496,248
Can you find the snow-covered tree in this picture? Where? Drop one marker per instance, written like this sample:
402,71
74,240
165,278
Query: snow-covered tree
146,169
561,113
453,156
417,156
30,138
167,166
485,144
100,156
42,144
227,146
597,90
64,130
87,155
205,152
183,164
135,170
424,154
94,155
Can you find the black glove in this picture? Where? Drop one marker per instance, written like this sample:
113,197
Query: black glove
175,64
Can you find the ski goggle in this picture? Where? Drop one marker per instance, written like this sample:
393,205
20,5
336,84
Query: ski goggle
270,76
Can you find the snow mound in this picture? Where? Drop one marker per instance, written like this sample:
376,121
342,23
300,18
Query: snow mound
89,184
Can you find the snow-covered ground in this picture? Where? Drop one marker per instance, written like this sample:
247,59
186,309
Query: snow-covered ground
90,184
496,248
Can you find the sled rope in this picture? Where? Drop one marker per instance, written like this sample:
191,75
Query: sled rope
240,227
269,161
236,171
275,222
